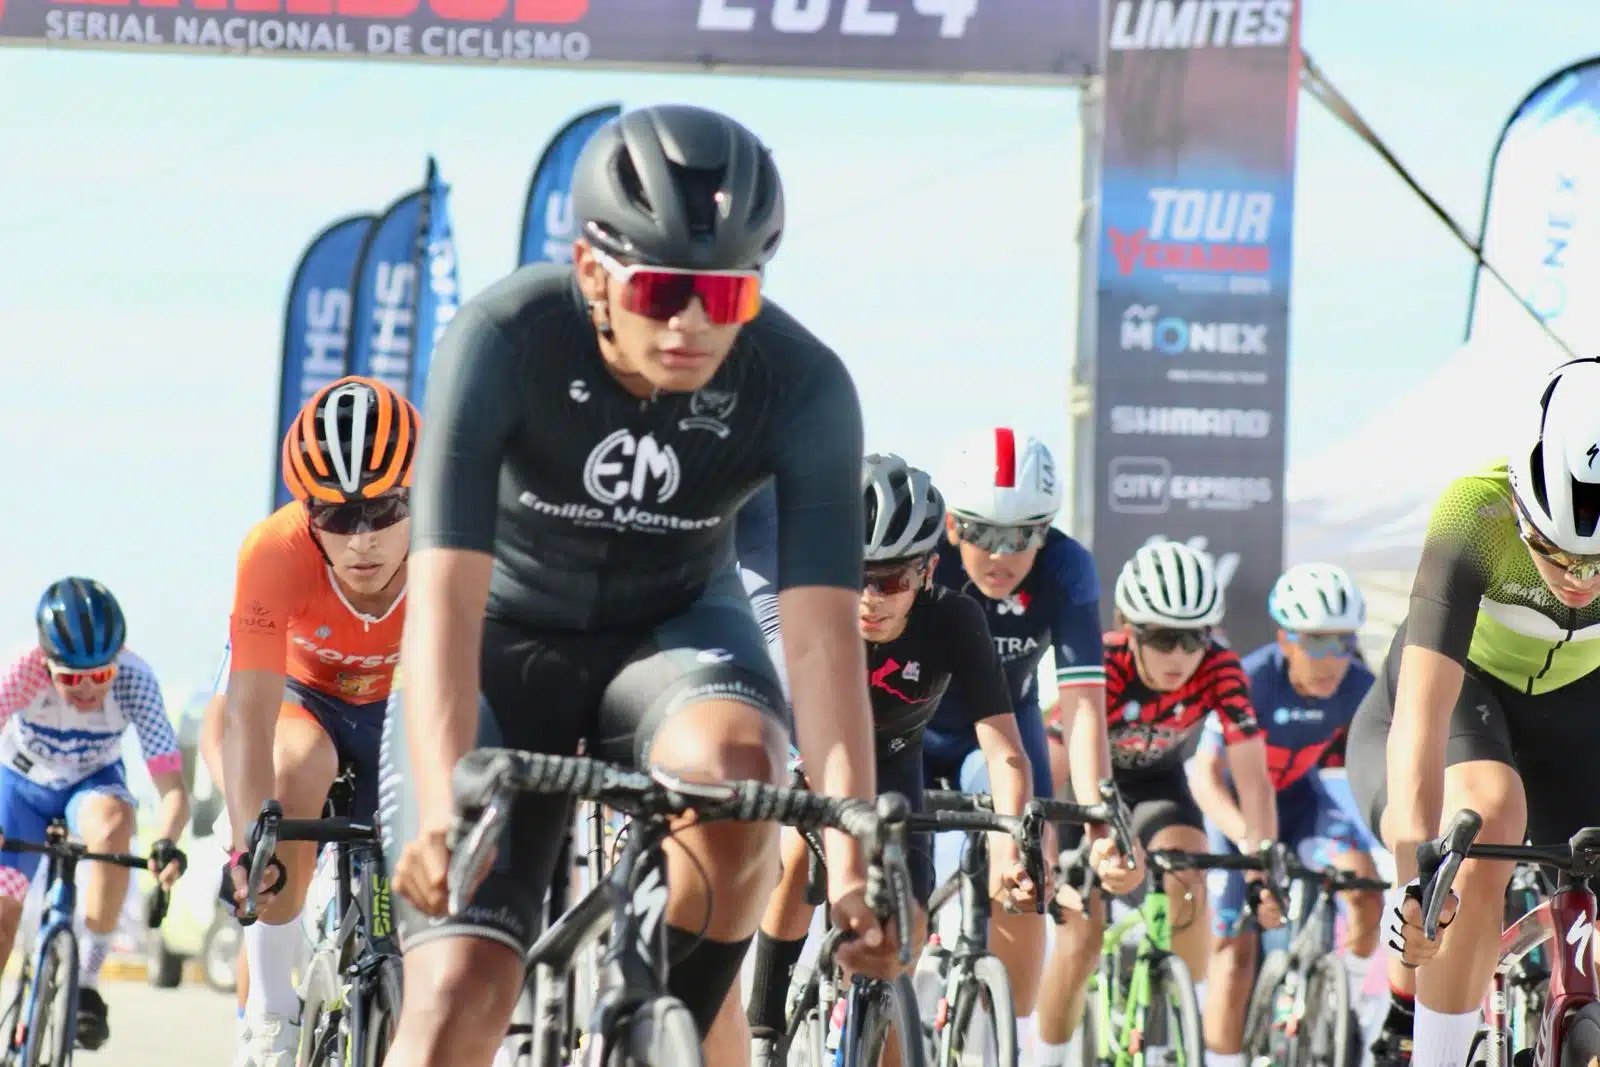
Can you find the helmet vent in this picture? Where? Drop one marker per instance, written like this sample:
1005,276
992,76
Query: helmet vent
632,185
703,198
1585,507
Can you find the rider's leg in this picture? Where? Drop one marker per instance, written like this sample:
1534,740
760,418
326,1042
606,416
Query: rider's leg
104,818
1363,916
780,940
1231,970
1066,976
211,728
305,763
25,810
1186,892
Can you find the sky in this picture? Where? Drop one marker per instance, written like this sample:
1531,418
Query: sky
157,204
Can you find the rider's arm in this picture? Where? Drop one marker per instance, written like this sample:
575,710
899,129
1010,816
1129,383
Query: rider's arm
979,683
1246,745
817,467
1080,671
139,694
270,574
1445,596
21,683
1208,783
473,403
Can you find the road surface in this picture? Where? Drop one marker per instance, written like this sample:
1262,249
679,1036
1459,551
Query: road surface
191,1025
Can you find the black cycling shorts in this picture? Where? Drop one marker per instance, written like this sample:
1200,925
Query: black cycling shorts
1155,800
354,729
545,690
1547,739
901,772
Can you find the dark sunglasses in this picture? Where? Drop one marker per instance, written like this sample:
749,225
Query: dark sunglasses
658,293
1324,646
1166,639
359,516
1579,568
900,578
1000,540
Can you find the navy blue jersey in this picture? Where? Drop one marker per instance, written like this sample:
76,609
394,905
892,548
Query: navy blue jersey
1302,733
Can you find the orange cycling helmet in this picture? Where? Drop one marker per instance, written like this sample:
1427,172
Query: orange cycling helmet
355,439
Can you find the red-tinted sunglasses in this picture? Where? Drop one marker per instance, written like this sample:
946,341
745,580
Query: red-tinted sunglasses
73,678
373,515
659,293
892,580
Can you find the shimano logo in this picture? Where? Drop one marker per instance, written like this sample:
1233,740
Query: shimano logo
1167,24
1190,422
1144,329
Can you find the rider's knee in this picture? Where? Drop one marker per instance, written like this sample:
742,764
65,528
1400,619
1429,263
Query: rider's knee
456,989
725,741
1366,908
107,823
1232,956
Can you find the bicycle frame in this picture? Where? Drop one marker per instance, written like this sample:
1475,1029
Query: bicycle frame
1572,979
61,903
344,953
1154,915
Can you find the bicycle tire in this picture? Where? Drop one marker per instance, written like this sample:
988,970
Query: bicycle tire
1328,1005
892,1004
1258,1034
988,987
1580,1045
1170,982
383,1012
660,1033
60,949
9,1051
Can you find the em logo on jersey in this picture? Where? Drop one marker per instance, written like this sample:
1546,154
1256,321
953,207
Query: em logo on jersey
624,467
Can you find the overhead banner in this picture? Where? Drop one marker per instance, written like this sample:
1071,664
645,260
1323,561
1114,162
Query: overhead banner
441,279
1192,301
316,326
384,319
997,40
1541,227
548,227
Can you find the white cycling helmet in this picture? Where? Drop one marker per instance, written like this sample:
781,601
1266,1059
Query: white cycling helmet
1005,479
904,511
1555,469
1317,598
1169,584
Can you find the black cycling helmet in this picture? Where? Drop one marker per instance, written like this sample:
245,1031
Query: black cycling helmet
679,186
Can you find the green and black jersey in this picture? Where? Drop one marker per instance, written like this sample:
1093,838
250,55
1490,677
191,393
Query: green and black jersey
1479,599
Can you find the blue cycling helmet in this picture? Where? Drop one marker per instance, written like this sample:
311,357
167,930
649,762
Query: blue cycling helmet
81,625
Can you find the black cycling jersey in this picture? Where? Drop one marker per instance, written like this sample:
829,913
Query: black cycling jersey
946,643
604,509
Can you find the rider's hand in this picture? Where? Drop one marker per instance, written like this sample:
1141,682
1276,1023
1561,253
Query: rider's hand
1116,875
420,872
1017,890
1402,925
239,875
1268,913
167,862
874,949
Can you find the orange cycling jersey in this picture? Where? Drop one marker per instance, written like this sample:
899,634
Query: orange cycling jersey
290,616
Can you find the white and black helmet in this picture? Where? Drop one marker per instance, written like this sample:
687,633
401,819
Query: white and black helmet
1005,478
904,512
1555,469
1169,584
1317,598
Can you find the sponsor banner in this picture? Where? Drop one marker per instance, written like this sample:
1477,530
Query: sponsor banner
1193,250
316,327
441,280
1002,40
1541,225
384,316
548,227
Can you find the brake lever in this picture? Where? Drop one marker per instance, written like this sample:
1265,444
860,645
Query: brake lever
467,854
264,846
1121,833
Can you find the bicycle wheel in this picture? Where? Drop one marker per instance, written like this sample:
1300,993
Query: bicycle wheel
383,1012
660,1033
981,1030
1330,1026
1265,1035
1175,1013
892,1005
1580,1045
52,1022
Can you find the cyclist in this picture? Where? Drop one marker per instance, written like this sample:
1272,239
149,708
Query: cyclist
922,641
594,430
65,705
1487,699
1305,687
315,635
1165,673
1038,590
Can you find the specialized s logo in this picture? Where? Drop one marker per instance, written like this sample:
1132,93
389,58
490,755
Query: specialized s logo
624,467
1578,937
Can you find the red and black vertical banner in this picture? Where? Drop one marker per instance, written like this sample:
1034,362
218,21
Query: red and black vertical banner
1192,303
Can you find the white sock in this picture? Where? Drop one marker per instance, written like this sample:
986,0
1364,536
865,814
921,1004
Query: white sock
1357,967
270,951
95,948
1200,995
1224,1059
1049,1055
1442,1040
1025,1037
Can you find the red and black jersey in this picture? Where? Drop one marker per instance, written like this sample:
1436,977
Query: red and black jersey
1150,730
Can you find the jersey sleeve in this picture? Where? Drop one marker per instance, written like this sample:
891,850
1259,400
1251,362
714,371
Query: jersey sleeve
817,467
1075,629
267,590
1229,697
472,406
1453,573
976,675
139,695
23,679
756,544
